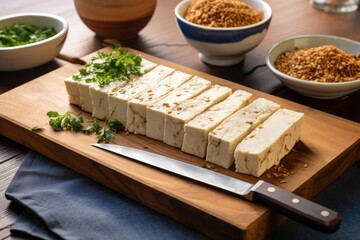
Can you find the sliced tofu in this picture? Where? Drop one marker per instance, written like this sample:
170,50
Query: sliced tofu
99,96
223,140
196,131
73,91
85,97
155,113
119,97
268,143
176,118
84,94
136,112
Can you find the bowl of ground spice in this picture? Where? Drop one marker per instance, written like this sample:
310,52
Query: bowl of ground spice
28,40
222,31
317,66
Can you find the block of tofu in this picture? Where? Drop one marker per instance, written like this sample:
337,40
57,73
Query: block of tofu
269,142
176,118
100,100
85,97
155,113
118,99
73,91
78,93
223,140
196,131
136,112
99,95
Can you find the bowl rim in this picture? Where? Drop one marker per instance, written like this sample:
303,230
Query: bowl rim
305,81
64,29
266,7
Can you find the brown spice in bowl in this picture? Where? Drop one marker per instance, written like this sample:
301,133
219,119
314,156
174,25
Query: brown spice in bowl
320,64
222,13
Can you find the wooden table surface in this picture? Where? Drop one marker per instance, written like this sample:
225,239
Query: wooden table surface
161,38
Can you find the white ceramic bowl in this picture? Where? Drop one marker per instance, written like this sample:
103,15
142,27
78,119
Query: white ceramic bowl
33,54
313,89
223,46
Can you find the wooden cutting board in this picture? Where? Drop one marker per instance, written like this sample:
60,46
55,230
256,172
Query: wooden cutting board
328,146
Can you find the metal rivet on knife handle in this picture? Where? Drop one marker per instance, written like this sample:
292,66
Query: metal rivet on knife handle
296,207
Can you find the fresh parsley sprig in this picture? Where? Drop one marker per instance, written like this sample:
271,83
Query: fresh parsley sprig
104,68
67,121
70,121
104,133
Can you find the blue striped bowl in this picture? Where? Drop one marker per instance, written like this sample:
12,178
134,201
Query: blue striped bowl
223,46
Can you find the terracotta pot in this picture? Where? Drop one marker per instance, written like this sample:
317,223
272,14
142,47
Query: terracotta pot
120,19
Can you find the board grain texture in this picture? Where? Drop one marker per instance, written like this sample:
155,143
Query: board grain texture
328,146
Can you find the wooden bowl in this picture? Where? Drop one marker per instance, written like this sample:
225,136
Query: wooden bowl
120,19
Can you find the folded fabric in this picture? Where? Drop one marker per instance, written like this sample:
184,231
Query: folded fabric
62,204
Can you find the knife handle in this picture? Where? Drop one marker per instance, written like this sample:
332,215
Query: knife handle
296,207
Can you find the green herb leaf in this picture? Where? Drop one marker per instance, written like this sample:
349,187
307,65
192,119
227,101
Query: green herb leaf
52,114
23,33
105,68
67,121
107,132
37,128
115,125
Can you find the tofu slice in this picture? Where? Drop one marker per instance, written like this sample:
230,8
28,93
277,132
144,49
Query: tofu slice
196,131
99,96
176,118
73,91
119,97
84,94
136,112
85,97
155,113
223,140
269,142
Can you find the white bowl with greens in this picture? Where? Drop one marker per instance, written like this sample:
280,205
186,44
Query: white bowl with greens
28,40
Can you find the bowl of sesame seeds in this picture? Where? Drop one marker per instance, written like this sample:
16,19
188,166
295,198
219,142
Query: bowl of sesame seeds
317,66
222,31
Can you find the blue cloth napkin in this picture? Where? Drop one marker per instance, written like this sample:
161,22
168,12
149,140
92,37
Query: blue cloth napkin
62,204
59,203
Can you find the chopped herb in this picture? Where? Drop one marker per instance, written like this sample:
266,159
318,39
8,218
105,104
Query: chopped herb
67,121
37,128
115,125
104,68
73,122
104,133
23,33
249,122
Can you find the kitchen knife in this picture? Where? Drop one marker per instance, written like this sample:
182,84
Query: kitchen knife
287,203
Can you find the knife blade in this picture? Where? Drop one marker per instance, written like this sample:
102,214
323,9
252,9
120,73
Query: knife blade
285,202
